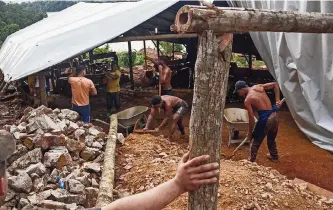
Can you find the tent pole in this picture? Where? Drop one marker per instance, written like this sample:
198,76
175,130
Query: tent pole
130,64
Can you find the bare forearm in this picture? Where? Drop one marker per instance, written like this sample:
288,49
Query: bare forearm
277,93
165,120
150,119
251,127
154,199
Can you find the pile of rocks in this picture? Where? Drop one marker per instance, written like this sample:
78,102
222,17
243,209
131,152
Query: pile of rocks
52,145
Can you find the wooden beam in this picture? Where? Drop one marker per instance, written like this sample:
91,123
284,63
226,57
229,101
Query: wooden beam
130,64
154,37
210,90
198,19
105,194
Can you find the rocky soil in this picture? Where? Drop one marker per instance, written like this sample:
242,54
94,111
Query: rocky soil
145,161
53,145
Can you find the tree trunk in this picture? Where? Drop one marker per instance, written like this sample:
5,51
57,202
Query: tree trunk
105,195
221,20
211,79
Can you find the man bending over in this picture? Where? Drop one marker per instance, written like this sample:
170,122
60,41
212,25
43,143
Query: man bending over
267,124
173,107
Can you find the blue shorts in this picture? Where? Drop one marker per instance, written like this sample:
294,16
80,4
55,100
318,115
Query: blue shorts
84,112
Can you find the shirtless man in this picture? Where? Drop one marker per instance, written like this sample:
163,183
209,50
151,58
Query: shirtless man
267,124
165,74
173,107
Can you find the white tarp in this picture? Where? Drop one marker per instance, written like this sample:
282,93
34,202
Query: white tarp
72,32
302,65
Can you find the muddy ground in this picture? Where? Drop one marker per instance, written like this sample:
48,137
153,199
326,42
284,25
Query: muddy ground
298,156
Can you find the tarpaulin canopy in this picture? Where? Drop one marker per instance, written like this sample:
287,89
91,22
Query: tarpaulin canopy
72,32
302,65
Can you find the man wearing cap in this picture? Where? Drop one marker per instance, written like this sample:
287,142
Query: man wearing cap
7,147
81,88
267,124
173,107
112,78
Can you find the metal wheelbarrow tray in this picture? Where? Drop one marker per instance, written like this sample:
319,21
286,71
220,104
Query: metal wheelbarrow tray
237,119
128,117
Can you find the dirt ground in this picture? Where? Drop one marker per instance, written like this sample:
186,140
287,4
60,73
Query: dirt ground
298,156
146,161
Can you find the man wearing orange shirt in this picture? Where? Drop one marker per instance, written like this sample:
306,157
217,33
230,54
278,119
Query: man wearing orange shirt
81,87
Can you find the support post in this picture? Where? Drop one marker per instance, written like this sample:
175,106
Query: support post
250,61
130,61
42,89
210,89
105,194
173,51
158,48
145,53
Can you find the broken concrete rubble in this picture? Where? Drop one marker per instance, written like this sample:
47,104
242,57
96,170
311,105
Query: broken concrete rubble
56,141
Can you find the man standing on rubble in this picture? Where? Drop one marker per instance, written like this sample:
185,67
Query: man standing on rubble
7,147
165,74
112,79
81,88
267,124
174,108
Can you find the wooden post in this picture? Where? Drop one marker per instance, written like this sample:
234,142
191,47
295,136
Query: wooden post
42,89
105,194
173,51
198,19
250,61
130,64
145,53
210,90
158,48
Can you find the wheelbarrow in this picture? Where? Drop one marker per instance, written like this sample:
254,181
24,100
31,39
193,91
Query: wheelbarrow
128,117
237,120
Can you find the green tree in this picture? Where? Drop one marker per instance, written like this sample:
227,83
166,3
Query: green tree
14,17
167,47
103,49
123,61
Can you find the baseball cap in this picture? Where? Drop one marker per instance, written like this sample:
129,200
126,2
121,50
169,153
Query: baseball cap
7,148
156,100
239,85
